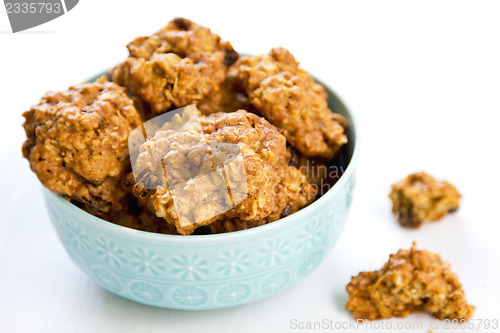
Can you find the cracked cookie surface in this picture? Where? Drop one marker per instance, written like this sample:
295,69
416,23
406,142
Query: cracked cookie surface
420,198
411,281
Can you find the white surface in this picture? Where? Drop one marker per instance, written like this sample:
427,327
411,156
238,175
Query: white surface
422,77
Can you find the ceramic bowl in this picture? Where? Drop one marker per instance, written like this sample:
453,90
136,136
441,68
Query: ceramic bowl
208,271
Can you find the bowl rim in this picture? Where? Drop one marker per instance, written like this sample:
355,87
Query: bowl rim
234,235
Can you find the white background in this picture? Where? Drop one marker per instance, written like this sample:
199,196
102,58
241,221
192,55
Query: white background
422,77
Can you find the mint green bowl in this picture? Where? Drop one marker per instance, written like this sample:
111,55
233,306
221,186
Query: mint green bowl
208,271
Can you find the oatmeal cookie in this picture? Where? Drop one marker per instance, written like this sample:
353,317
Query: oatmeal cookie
420,198
293,193
77,143
411,281
190,158
181,64
289,98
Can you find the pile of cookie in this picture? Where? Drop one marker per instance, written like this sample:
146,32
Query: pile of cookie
266,105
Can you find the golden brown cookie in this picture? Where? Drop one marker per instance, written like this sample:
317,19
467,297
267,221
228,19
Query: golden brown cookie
77,143
191,158
290,99
181,64
420,198
411,281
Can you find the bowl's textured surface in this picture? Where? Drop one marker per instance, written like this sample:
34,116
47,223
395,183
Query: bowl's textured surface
209,271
